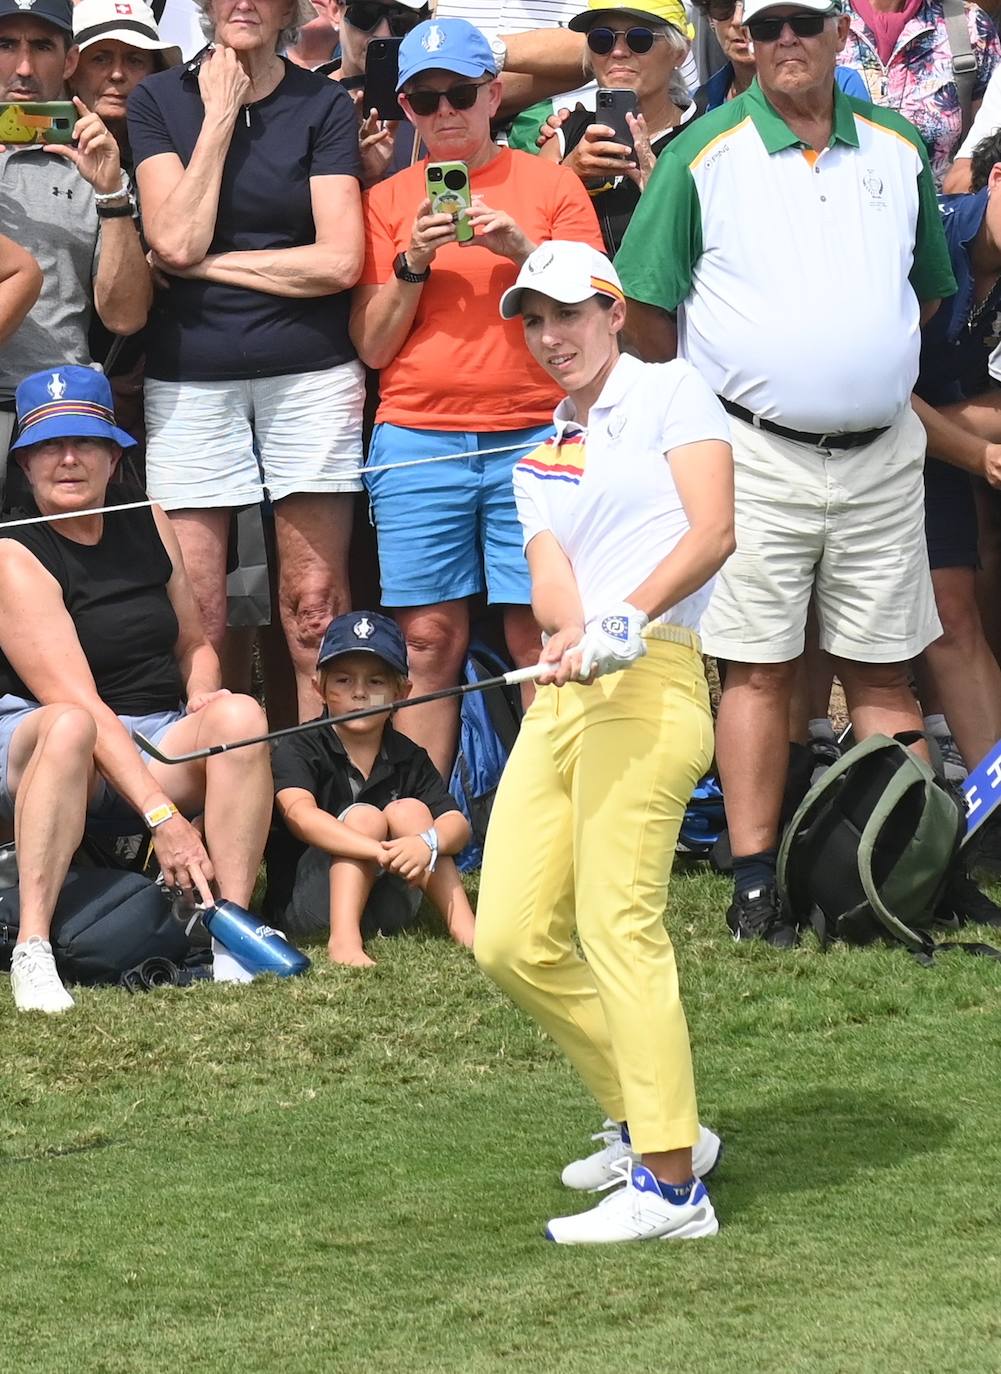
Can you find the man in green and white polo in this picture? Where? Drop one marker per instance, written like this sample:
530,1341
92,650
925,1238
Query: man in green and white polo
789,246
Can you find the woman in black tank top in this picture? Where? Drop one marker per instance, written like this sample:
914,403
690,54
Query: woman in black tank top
99,627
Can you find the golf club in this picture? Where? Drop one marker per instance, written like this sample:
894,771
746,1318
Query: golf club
509,679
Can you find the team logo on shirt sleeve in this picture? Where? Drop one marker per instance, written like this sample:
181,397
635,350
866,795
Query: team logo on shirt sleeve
555,462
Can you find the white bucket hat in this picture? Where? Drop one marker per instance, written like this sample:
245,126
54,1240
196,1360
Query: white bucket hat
128,21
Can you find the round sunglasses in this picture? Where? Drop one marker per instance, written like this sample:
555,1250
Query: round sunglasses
367,15
461,97
638,39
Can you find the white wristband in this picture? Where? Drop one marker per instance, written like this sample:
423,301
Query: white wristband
430,838
106,197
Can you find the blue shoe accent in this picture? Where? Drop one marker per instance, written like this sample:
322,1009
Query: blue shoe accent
624,1128
549,1235
678,1194
643,1180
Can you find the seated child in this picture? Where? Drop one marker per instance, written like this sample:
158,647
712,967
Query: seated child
373,813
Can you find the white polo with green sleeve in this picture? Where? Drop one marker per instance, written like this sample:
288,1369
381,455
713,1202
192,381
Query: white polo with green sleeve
796,275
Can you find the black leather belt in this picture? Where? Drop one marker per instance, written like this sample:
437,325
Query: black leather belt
857,438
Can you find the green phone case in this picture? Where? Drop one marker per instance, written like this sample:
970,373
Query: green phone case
450,193
27,121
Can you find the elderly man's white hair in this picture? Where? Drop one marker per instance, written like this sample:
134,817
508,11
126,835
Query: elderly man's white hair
302,13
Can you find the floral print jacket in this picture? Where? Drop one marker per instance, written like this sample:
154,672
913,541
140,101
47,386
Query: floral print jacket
918,79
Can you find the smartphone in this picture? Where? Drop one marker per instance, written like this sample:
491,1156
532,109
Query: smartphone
382,72
449,193
27,121
611,108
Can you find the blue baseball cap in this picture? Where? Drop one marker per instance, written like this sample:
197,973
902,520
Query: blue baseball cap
66,403
448,45
364,632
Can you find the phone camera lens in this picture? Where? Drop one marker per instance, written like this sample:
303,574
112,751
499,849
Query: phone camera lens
455,180
435,174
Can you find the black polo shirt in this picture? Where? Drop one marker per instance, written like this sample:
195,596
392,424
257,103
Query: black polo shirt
318,763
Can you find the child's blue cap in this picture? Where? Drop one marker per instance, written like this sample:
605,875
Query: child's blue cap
364,632
448,45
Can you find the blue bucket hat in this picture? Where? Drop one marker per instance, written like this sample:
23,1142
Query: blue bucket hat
364,632
448,45
66,403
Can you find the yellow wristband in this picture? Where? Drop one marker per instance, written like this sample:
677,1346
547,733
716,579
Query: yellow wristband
159,814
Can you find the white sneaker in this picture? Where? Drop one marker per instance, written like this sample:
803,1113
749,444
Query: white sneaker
637,1211
33,978
595,1171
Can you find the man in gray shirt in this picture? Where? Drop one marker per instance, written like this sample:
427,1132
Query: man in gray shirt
69,207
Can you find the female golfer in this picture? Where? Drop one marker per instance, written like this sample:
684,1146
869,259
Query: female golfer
627,513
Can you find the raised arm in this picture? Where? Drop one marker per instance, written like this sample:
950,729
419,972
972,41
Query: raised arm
180,204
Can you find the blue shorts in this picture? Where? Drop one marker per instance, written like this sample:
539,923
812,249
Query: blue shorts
447,530
950,516
106,810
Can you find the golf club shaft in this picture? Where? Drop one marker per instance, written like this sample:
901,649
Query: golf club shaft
510,679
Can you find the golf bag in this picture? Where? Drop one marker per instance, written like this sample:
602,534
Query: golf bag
873,849
488,727
704,820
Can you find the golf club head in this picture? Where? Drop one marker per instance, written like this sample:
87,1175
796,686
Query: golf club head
255,945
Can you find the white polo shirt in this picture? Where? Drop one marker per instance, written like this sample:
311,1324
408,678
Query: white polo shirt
796,276
607,493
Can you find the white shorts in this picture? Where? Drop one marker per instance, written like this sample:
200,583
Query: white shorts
204,438
846,526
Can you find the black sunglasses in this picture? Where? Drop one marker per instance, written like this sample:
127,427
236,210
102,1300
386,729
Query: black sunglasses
461,97
639,40
366,16
802,25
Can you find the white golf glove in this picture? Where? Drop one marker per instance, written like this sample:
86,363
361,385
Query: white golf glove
613,640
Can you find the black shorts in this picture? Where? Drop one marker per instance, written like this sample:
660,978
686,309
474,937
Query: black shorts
950,516
392,905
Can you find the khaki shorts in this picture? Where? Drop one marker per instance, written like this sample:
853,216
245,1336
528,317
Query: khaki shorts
844,526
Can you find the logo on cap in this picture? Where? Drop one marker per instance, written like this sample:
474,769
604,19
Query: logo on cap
25,4
432,40
540,260
123,9
363,629
56,387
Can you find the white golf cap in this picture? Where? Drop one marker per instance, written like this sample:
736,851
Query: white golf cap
128,21
753,8
565,271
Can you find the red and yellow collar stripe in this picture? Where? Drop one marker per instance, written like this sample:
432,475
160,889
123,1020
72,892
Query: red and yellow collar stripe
53,409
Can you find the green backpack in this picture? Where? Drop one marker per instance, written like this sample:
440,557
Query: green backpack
872,848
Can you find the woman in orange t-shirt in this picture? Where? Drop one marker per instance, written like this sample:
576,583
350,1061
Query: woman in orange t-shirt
454,376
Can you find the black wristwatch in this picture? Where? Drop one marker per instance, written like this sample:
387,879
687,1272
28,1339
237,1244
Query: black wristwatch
402,269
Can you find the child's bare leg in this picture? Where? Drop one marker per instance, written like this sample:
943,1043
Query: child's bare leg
350,884
444,886
446,893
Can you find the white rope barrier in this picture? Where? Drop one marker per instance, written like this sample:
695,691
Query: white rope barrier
351,472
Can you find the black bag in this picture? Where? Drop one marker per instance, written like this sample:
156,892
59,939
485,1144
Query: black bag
873,850
105,923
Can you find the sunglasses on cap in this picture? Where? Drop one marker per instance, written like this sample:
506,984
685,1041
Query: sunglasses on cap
461,97
367,16
802,25
638,39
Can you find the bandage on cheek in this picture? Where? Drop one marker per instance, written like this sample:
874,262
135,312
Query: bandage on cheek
376,698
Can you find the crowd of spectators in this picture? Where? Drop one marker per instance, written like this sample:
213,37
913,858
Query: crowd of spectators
249,251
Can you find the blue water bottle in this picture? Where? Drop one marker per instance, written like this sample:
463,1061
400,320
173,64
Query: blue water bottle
255,945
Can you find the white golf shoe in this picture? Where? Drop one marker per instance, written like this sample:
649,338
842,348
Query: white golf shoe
594,1171
637,1211
33,978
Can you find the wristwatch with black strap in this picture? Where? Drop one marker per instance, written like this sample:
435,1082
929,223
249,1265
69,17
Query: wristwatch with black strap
404,272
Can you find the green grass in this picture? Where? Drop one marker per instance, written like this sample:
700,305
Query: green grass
351,1172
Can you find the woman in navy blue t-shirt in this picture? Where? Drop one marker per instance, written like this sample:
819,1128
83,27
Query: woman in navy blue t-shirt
247,168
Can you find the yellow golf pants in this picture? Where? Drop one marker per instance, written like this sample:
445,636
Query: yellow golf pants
582,837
